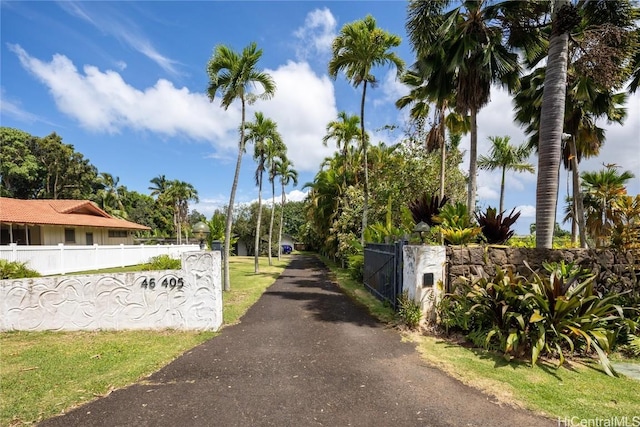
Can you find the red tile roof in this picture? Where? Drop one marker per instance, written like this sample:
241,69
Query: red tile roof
61,212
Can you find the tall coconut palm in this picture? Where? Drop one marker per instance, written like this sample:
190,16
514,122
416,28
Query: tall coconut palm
552,121
602,57
360,47
261,132
585,103
505,156
233,75
287,174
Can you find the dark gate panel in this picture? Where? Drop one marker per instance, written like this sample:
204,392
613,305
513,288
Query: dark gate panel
383,270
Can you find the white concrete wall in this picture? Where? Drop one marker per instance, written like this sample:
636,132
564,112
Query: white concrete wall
419,260
190,298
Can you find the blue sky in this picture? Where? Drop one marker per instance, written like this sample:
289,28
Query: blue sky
125,83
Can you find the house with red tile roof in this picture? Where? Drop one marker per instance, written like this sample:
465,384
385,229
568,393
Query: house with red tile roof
71,222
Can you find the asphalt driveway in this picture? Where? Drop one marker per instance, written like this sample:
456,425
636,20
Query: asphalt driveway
303,355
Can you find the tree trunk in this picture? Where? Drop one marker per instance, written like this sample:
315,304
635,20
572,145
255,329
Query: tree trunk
365,208
473,163
232,197
551,127
273,211
256,256
578,219
443,152
504,170
281,223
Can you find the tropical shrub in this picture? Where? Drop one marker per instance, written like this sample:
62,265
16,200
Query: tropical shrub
567,315
16,270
455,224
632,347
554,313
426,207
409,311
496,315
355,265
496,228
163,262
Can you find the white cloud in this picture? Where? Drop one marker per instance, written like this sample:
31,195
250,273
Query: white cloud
391,89
302,106
104,102
526,211
121,65
297,195
622,146
314,38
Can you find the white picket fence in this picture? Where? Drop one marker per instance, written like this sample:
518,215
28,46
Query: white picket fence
61,259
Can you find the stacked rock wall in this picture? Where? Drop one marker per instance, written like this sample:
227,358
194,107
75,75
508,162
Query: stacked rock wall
616,271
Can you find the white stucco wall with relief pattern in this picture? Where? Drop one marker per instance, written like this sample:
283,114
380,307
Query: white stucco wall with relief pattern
189,298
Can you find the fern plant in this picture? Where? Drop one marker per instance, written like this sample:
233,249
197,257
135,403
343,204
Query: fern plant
409,311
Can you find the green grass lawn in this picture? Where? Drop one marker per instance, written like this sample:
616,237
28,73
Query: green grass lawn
45,373
578,389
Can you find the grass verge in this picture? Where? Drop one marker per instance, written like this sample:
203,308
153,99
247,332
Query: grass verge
45,373
580,390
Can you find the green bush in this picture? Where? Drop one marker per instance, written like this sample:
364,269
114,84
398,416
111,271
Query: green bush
16,270
554,313
456,225
163,262
409,311
355,265
632,347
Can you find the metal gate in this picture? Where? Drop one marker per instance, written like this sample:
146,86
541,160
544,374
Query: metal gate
383,270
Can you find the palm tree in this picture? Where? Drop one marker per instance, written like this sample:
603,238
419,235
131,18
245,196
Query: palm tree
585,103
343,131
359,48
324,195
180,193
551,123
601,57
601,190
464,53
505,156
277,150
262,132
287,174
481,59
160,185
111,195
233,74
428,81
